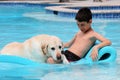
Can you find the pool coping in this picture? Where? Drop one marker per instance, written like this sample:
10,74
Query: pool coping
64,8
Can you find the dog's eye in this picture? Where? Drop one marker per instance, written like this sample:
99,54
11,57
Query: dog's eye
52,48
60,47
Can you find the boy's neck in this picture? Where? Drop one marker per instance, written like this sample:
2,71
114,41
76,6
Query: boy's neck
90,29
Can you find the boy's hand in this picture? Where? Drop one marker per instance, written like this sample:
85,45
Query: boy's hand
94,54
50,60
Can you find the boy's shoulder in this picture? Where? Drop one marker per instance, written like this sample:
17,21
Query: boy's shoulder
96,34
79,32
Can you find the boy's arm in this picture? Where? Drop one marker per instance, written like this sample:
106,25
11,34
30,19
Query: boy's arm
104,42
50,60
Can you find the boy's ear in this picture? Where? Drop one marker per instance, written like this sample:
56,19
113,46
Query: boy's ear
90,20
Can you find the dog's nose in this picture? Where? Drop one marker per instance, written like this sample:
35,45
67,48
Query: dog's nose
58,56
62,52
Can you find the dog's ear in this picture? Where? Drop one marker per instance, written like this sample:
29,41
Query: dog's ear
44,49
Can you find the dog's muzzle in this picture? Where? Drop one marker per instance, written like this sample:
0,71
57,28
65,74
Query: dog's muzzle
59,59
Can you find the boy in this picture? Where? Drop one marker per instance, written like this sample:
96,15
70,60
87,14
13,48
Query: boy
84,39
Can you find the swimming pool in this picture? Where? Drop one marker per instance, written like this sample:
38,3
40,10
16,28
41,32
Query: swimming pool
20,22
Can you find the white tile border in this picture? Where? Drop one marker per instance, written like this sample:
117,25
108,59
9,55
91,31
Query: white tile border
73,4
84,4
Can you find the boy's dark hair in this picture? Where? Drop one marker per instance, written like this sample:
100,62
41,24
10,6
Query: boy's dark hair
84,14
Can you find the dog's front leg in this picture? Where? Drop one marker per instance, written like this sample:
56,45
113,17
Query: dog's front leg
65,61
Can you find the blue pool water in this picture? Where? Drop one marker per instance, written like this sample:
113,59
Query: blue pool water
20,22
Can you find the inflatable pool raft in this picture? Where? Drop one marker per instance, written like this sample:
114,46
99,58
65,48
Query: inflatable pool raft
105,55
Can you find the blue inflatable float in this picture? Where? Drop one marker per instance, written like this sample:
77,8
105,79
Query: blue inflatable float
105,55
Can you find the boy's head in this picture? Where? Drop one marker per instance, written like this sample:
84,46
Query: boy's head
84,14
84,19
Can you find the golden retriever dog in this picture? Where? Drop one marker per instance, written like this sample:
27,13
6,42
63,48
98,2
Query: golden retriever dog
37,48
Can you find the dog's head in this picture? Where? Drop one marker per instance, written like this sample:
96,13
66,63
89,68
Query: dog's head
54,49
